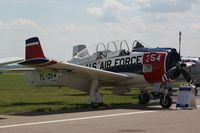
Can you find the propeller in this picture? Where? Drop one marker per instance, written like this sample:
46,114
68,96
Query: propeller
175,71
178,69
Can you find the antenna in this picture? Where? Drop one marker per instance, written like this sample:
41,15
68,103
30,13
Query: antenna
180,34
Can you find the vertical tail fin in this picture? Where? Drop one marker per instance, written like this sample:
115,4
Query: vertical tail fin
33,49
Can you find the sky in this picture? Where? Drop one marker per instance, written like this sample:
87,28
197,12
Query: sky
61,24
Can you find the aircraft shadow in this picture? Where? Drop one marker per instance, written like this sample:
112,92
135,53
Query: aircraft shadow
2,118
87,108
32,103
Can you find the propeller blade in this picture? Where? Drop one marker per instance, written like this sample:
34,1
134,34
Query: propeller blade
173,73
186,75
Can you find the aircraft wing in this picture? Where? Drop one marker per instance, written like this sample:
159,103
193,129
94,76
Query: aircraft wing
46,64
10,60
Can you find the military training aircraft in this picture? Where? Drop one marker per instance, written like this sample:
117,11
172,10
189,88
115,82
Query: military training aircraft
119,68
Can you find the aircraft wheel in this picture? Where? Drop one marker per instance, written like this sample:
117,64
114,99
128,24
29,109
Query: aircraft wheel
96,105
165,101
144,98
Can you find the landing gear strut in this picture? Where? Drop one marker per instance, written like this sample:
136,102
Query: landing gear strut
165,99
95,96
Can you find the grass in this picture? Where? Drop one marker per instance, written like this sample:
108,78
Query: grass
17,97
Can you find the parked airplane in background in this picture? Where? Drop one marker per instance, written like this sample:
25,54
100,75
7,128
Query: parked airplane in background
119,68
6,61
193,69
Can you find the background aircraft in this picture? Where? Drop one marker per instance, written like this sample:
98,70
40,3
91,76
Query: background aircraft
193,68
119,68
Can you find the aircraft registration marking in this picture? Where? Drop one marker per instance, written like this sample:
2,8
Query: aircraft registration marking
48,76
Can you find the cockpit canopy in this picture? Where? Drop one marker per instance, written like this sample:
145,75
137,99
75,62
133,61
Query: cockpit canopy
109,50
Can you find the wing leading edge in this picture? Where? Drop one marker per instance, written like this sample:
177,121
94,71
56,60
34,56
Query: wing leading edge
107,76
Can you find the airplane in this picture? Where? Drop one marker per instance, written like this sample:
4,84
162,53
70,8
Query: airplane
121,69
193,68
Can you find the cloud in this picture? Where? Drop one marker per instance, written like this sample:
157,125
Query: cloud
110,11
98,12
56,40
72,28
166,6
18,24
19,28
13,33
156,28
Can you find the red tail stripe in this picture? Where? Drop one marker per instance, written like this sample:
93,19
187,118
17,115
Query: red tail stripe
34,51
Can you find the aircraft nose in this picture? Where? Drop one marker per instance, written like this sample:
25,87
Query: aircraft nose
173,58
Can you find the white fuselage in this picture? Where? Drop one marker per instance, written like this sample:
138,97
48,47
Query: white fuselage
116,64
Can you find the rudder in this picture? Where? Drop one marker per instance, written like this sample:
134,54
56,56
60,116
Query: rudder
33,49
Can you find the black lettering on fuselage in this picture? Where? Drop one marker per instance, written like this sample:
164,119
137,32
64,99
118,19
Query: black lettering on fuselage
94,65
127,62
139,60
117,62
122,62
102,65
109,62
133,60
106,64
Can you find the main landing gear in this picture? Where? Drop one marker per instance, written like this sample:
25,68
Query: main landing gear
165,99
95,96
144,98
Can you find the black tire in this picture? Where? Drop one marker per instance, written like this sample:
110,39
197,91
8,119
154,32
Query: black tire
96,105
165,101
144,98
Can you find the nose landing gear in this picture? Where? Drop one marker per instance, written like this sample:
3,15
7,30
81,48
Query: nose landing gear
144,98
165,98
165,101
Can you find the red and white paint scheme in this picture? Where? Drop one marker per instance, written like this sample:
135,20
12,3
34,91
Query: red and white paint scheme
119,68
31,48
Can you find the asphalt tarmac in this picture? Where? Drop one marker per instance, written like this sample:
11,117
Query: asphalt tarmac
116,119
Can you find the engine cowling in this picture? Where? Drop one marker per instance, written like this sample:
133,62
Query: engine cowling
156,64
